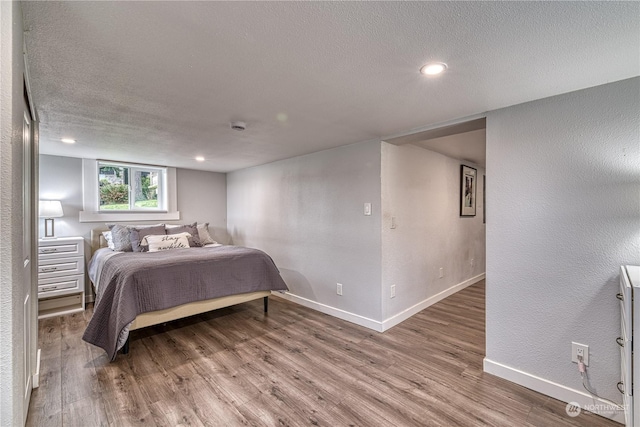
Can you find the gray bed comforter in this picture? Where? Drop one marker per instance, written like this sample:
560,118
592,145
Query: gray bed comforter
139,282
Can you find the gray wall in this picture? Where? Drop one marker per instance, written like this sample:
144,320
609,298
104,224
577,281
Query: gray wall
421,189
202,197
307,213
564,214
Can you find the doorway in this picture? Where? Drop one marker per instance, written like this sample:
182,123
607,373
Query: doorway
432,247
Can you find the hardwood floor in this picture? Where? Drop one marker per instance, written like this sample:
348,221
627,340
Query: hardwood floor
292,367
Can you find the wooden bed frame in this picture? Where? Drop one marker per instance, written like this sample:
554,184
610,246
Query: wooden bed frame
185,310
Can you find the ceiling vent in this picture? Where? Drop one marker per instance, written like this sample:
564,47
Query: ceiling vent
239,126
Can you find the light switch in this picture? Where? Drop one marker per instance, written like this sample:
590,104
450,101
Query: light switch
367,209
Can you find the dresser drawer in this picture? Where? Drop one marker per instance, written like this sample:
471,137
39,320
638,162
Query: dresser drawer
625,368
55,249
60,285
624,329
625,295
60,267
60,276
60,305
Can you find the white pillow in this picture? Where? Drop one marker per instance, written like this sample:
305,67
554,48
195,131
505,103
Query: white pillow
109,238
145,242
167,242
203,233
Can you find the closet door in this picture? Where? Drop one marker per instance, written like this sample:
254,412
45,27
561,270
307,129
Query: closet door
27,217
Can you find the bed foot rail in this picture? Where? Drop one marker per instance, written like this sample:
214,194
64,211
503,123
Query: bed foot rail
266,304
125,347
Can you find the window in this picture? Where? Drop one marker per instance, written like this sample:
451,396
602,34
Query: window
130,187
115,191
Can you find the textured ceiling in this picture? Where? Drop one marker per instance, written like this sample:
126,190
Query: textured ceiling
159,82
467,146
465,141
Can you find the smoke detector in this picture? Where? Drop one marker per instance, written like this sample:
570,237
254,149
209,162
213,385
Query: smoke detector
239,126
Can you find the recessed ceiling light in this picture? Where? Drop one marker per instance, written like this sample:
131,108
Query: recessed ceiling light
433,68
200,159
68,140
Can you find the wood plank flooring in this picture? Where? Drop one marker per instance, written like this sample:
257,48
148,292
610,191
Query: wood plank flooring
292,367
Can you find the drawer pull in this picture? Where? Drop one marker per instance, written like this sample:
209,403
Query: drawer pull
50,288
48,269
620,341
48,250
620,384
620,297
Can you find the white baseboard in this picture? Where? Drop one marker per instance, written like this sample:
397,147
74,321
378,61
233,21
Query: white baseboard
555,390
332,311
375,324
405,314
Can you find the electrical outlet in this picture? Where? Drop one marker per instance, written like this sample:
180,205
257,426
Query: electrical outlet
441,272
339,288
393,291
580,350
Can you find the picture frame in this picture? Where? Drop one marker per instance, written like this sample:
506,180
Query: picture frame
468,182
484,199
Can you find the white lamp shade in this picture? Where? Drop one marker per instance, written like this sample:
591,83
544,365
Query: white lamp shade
50,209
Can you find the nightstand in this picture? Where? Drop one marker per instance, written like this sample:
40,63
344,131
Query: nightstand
60,276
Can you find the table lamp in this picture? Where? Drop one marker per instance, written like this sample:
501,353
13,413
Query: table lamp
50,209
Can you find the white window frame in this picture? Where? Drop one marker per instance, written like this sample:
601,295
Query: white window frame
162,171
91,202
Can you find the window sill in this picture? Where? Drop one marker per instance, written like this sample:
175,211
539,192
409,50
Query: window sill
128,216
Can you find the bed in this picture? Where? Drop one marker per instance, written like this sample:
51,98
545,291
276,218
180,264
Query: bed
139,289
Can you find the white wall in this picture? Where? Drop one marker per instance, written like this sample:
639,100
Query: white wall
421,189
563,214
11,250
307,213
202,197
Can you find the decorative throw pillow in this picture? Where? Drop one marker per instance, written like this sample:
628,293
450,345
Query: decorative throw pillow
167,242
203,234
120,237
109,239
145,241
192,229
136,234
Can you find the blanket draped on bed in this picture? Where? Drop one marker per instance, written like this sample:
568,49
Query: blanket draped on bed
139,282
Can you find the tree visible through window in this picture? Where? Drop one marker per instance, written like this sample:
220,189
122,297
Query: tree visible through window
129,187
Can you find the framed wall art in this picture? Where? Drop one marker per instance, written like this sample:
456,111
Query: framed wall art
468,180
484,199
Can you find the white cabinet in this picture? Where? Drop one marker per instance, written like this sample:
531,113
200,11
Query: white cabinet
629,296
60,276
